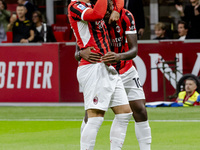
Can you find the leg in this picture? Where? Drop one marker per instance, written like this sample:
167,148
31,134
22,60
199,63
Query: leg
119,126
139,110
85,120
142,128
88,136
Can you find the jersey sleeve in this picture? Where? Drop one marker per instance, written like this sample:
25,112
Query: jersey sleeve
97,13
118,5
76,10
130,23
79,11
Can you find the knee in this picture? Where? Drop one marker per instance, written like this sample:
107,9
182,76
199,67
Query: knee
95,113
141,110
140,113
122,109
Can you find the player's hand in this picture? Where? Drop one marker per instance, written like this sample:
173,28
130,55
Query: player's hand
90,56
114,16
110,58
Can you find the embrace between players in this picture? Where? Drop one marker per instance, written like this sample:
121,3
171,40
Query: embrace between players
107,43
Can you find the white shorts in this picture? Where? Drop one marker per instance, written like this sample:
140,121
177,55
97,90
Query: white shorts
132,84
102,86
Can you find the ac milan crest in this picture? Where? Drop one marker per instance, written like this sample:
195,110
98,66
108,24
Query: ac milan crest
95,100
118,29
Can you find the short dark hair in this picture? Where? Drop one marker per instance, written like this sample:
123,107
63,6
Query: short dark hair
4,4
192,79
184,23
21,5
39,14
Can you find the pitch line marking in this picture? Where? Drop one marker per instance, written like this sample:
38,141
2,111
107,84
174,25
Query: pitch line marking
105,120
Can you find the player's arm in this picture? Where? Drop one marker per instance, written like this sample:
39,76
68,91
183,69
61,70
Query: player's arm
133,48
118,5
87,55
131,35
97,13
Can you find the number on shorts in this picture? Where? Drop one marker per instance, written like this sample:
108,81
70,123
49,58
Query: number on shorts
137,82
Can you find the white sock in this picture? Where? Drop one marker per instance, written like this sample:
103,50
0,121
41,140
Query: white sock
88,136
83,125
143,134
118,130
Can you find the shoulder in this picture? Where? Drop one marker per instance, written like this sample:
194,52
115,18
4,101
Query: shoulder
196,94
181,93
126,15
77,6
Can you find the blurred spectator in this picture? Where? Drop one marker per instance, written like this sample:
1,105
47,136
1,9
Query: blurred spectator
191,15
136,8
4,20
22,28
160,30
30,8
43,33
189,96
182,30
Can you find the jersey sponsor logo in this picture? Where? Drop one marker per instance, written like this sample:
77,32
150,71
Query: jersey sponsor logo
82,7
95,100
117,42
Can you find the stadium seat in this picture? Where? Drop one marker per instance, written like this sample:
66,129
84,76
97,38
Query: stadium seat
59,36
12,7
9,37
73,38
62,25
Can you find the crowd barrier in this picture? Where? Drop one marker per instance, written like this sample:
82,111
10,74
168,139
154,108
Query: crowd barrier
47,72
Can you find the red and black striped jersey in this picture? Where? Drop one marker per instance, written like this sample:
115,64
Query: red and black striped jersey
88,33
117,32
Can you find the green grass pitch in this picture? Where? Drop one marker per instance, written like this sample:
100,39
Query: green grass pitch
58,128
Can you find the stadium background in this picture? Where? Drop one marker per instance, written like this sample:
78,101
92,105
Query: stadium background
52,71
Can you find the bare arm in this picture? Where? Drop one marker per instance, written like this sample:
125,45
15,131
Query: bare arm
87,55
29,39
112,57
